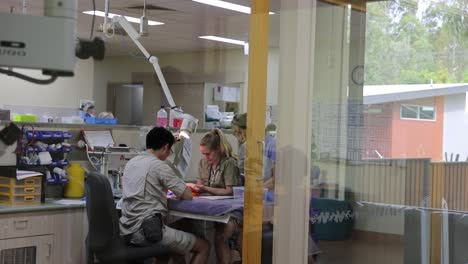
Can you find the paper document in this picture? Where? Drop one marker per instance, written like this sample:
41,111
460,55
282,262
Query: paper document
216,197
69,202
102,138
20,174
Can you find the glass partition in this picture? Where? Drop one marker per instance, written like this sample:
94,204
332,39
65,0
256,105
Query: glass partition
386,122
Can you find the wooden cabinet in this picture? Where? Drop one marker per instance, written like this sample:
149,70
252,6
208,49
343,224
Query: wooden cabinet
55,236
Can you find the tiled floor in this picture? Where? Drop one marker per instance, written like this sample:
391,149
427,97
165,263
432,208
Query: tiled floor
363,248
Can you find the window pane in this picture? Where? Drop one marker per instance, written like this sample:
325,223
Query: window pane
409,111
427,112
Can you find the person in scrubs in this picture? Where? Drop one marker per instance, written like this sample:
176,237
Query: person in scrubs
90,110
269,156
239,127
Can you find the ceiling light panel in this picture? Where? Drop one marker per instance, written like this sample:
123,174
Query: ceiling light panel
225,40
227,5
129,18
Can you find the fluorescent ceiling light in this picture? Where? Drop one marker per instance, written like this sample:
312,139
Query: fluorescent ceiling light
227,5
227,40
130,19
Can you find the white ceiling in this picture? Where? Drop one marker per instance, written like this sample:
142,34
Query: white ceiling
180,31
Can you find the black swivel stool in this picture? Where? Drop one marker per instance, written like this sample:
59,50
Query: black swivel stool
104,242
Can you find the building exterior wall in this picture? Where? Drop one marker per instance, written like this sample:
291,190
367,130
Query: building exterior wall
418,138
377,134
385,133
455,126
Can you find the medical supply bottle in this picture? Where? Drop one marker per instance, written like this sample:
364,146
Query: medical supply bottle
75,186
175,118
161,117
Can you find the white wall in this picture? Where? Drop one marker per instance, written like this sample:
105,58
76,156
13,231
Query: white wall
114,70
229,63
64,92
190,66
194,68
273,76
380,219
455,126
272,80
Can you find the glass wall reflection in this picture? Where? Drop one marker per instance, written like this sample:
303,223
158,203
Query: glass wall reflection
389,155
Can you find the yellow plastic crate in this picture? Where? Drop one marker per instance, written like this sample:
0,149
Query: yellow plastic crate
20,199
13,182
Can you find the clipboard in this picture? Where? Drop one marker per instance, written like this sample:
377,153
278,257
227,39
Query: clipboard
98,138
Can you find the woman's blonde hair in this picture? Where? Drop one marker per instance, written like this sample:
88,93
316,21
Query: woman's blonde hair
214,140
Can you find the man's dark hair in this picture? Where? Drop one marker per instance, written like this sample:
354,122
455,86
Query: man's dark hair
158,137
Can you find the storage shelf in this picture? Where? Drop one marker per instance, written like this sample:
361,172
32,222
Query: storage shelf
44,135
54,163
48,149
113,153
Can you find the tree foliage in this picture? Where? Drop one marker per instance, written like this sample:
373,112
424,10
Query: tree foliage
416,41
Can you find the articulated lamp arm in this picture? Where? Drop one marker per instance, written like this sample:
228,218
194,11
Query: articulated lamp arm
133,34
190,123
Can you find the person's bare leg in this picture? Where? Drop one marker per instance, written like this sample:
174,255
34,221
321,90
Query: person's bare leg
200,252
222,234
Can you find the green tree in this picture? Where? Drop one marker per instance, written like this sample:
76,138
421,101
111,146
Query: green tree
416,42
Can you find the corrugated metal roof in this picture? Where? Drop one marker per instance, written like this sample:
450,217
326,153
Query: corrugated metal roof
377,94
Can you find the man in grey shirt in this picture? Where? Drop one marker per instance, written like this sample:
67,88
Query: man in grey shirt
145,183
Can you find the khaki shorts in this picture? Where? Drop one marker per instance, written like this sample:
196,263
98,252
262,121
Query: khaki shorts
179,242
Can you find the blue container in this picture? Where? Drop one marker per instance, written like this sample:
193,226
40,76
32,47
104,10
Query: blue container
101,121
36,134
46,134
332,219
57,134
67,134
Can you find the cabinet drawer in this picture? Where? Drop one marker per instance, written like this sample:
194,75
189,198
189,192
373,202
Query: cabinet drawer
20,190
7,181
21,225
20,199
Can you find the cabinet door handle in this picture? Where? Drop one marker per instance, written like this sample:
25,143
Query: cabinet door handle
28,190
49,249
28,198
29,182
263,150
